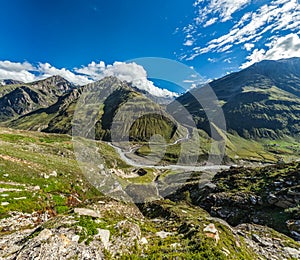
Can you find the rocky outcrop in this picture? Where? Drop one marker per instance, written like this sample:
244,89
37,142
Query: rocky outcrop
266,246
48,244
267,196
121,231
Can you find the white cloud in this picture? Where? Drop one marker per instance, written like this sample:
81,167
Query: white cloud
212,60
275,17
210,22
130,72
48,70
267,18
189,43
16,71
255,56
15,66
27,72
22,75
283,47
249,46
223,8
93,70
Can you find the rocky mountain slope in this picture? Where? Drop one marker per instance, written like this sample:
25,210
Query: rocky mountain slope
49,210
49,106
17,98
262,101
266,196
142,117
4,82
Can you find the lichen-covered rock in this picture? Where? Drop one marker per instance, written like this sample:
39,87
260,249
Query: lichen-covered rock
267,243
48,244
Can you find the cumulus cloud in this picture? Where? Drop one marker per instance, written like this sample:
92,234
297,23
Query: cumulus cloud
130,72
22,75
17,71
27,72
283,47
255,56
48,70
93,70
16,66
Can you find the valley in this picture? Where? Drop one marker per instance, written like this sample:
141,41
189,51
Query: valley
101,171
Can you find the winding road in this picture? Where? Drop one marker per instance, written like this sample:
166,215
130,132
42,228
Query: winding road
133,163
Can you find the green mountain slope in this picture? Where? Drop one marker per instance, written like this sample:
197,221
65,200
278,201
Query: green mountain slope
261,101
20,99
49,209
111,97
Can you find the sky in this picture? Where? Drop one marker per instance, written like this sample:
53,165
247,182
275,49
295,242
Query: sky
86,40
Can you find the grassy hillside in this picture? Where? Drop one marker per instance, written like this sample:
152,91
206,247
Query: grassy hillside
22,98
263,195
39,171
39,175
261,101
111,97
237,149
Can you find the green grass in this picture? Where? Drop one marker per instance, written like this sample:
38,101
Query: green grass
237,148
27,158
259,181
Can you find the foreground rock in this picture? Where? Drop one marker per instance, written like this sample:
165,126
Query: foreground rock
165,228
261,240
266,196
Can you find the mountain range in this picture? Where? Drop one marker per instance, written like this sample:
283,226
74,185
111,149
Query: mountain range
50,106
51,208
261,101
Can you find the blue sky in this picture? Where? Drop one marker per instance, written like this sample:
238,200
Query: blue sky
82,40
70,33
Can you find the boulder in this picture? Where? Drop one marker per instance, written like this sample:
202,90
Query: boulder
44,235
163,234
292,252
211,231
272,199
87,212
104,236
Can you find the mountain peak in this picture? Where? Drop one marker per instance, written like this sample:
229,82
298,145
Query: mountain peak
261,101
5,82
286,63
57,81
54,80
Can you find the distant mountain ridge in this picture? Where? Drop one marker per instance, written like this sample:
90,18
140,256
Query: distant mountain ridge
261,101
5,82
18,98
